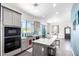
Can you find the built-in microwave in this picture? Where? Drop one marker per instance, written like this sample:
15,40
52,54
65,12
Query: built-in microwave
12,38
12,31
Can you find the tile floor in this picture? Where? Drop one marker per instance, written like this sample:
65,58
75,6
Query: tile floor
64,50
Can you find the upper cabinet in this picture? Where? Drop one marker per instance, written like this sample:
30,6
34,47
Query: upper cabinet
16,19
7,17
11,17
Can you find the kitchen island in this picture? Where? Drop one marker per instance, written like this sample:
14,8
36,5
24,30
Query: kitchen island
40,46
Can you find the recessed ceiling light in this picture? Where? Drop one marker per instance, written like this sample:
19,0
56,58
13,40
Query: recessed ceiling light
57,13
54,5
53,20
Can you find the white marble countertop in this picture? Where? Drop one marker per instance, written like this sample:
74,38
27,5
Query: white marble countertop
45,41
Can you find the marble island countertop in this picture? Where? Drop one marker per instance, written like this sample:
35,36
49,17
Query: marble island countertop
45,41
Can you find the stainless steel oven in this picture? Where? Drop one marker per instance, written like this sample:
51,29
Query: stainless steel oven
12,38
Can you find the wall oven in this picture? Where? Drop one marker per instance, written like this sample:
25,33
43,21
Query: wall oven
12,38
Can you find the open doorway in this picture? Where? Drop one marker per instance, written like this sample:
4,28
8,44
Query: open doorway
55,30
67,33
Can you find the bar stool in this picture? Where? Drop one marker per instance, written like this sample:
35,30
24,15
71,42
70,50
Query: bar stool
52,50
57,42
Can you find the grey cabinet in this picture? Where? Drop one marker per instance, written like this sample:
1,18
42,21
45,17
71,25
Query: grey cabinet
16,19
39,50
7,16
24,44
11,17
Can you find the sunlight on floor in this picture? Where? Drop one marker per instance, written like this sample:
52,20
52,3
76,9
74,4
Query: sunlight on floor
30,50
68,45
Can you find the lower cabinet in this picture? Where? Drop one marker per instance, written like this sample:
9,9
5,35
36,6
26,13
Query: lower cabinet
26,43
30,41
39,50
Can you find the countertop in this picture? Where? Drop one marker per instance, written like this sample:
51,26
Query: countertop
45,41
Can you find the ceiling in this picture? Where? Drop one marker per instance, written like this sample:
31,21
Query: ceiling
45,10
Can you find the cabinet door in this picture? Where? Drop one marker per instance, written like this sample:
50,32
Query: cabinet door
16,19
7,15
36,50
24,44
19,19
30,42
